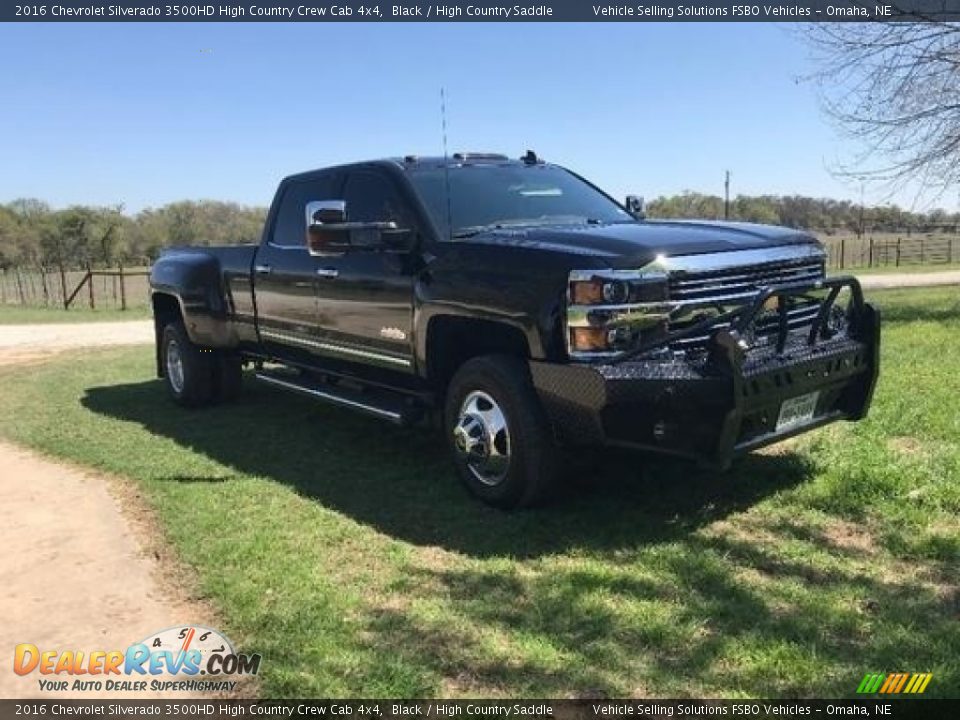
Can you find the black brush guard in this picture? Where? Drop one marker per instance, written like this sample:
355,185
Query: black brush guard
726,401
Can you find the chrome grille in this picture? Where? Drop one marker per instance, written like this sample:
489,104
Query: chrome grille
737,283
724,289
798,317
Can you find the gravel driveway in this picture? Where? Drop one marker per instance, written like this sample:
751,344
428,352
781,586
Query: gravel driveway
23,343
77,571
885,281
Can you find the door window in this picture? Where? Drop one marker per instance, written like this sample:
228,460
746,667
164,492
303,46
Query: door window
289,229
373,198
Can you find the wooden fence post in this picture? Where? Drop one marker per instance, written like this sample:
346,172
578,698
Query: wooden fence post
20,287
123,290
3,287
843,250
870,258
31,288
63,285
93,305
46,290
898,253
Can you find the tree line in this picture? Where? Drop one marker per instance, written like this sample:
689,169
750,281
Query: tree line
32,234
821,215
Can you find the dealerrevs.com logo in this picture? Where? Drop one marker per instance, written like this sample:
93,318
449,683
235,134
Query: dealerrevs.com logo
191,658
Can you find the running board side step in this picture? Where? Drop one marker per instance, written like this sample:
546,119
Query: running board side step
380,404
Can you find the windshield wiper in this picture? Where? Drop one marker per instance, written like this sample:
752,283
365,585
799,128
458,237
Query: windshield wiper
474,230
531,222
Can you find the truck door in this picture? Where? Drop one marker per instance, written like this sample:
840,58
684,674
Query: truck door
285,274
365,295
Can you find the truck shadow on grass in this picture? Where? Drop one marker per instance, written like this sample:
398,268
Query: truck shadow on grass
400,480
626,585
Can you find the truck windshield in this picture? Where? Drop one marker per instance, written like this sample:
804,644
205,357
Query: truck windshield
483,197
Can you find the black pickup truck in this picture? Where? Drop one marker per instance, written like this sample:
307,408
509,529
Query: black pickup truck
524,310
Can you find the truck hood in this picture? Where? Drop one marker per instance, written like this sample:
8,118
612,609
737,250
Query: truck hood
633,242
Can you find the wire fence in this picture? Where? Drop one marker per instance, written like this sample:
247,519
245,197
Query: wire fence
891,250
104,288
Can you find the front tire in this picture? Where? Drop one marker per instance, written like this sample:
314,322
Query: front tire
499,434
189,370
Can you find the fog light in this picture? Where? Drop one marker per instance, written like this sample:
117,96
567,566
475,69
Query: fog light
585,339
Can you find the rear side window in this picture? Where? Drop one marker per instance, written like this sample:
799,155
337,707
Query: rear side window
289,229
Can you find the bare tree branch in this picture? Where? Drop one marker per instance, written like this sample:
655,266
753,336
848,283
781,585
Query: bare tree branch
895,89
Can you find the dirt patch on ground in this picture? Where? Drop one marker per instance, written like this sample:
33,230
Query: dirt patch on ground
24,357
74,571
847,536
906,445
84,565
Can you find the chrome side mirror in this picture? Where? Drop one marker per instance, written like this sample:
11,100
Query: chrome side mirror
326,212
329,233
634,205
326,227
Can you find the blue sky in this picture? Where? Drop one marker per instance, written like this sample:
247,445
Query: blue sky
146,114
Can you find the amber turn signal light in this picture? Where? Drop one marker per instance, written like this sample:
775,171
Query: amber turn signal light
586,292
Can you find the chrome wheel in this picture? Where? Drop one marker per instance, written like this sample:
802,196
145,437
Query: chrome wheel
174,366
482,438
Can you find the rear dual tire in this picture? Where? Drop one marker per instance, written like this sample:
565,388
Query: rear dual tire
197,376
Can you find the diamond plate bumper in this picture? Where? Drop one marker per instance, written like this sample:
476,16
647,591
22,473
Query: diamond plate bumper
727,401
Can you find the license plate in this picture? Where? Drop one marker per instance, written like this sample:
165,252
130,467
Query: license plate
797,411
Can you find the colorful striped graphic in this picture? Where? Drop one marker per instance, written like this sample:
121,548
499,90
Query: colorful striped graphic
894,683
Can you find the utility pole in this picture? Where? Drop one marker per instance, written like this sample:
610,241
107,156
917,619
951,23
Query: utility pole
956,229
860,231
726,197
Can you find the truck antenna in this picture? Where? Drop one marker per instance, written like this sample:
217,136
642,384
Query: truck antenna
446,161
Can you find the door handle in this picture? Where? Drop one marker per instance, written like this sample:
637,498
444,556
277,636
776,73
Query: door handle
329,273
263,269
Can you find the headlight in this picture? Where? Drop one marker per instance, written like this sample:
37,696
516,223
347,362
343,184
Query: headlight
598,290
610,311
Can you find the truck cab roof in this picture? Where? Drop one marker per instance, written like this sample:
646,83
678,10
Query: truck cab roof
413,162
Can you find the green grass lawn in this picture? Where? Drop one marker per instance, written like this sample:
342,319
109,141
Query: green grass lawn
345,552
21,315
